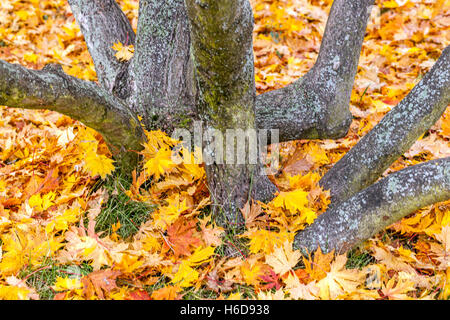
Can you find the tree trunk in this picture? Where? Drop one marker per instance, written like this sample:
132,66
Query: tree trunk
222,52
161,71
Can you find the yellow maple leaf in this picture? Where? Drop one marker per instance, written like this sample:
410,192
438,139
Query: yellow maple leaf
13,293
62,284
251,272
161,163
339,280
31,57
98,164
123,53
235,296
62,222
166,215
308,215
185,275
42,203
264,240
316,153
292,201
283,258
201,255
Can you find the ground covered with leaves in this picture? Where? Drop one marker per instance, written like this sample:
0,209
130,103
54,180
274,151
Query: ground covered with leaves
72,228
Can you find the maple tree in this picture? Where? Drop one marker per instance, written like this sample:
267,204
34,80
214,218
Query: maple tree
146,81
162,84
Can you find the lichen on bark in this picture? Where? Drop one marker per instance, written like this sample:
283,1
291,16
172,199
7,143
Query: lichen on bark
373,209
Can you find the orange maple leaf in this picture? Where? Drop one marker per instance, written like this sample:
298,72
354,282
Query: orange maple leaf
182,237
99,282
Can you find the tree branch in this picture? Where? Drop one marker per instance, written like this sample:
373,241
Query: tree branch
376,207
103,23
161,70
393,135
52,89
316,106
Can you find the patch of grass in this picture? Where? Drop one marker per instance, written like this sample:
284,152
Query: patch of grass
200,294
357,259
43,277
120,208
233,245
245,291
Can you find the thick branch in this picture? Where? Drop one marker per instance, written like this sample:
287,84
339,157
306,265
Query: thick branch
161,70
103,23
394,135
316,106
378,206
52,89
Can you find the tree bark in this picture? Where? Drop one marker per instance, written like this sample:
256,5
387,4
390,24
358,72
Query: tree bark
394,135
317,105
195,59
163,86
103,23
373,209
222,51
52,89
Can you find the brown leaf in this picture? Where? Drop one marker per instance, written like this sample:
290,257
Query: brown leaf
253,215
99,282
216,284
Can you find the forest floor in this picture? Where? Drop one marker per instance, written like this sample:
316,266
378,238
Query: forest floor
72,228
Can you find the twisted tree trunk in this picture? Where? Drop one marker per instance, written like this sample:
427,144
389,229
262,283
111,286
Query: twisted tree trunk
193,61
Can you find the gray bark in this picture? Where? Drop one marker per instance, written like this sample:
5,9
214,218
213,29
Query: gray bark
317,105
393,136
52,89
163,87
103,23
222,53
376,207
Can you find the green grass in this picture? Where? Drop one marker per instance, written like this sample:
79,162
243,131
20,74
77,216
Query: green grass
120,208
357,259
43,277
